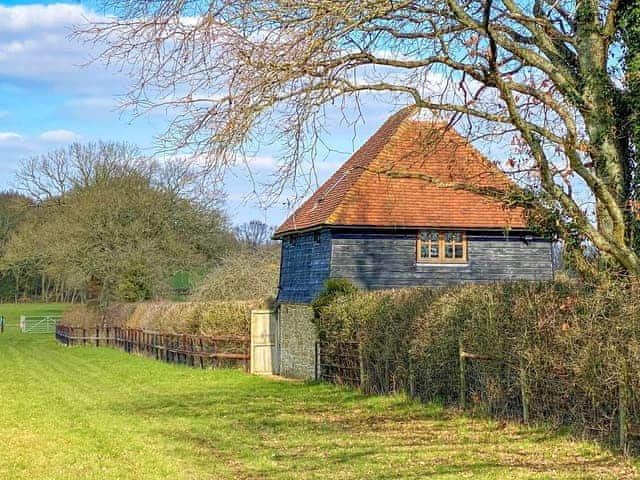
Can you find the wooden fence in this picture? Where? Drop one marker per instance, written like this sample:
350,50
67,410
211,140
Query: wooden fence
194,350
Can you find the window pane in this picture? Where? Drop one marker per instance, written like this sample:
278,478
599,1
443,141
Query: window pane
434,236
459,252
448,251
435,251
458,237
424,236
424,251
448,237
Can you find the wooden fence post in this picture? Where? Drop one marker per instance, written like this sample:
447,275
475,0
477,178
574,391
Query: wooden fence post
463,376
165,339
201,354
524,393
412,380
363,375
623,392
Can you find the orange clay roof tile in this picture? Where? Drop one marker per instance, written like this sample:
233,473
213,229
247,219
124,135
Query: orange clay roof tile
410,173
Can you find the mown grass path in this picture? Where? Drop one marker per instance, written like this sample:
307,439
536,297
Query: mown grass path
76,413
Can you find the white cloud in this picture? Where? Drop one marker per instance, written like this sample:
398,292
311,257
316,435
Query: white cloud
9,137
59,136
261,162
22,18
35,45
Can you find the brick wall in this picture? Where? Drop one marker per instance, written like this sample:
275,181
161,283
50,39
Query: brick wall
297,341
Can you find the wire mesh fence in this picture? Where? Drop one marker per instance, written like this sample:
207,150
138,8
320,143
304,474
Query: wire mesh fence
339,363
489,383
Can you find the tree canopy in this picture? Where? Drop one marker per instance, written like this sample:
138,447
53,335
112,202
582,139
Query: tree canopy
106,225
556,81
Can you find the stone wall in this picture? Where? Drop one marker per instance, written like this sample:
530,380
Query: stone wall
297,341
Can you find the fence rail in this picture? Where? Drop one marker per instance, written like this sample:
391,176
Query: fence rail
194,350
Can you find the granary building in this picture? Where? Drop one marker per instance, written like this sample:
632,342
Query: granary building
409,209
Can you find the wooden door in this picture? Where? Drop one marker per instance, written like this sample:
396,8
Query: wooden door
265,355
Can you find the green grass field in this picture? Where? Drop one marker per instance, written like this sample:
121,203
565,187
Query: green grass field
11,312
87,413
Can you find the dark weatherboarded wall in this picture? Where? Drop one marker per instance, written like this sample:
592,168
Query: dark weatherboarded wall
388,260
304,267
376,260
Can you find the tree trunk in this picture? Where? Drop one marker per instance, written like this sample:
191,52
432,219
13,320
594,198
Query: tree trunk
603,112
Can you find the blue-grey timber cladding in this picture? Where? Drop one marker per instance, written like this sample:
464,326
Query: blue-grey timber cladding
304,266
375,260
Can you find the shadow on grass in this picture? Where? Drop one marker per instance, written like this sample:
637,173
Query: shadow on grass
260,427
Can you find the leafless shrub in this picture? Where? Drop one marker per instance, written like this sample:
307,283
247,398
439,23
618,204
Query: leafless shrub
243,275
254,234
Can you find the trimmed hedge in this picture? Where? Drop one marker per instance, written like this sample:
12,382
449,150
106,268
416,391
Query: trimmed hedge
205,318
210,318
570,350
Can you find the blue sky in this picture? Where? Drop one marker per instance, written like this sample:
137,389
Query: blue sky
49,99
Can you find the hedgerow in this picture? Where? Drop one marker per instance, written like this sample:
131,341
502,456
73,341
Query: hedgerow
564,352
204,318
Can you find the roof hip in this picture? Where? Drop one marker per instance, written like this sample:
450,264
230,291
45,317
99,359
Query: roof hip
370,189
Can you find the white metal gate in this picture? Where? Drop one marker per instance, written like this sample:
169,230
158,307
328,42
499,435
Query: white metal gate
265,354
41,324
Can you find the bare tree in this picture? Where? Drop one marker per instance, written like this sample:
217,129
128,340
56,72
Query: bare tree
254,233
546,76
53,175
56,173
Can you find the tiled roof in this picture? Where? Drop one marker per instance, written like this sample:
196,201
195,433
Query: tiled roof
379,185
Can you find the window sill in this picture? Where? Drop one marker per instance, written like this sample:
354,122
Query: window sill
444,264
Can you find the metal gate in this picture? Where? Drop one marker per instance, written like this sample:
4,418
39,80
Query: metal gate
42,324
265,352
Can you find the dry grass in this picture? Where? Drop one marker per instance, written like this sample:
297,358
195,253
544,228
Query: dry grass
207,318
